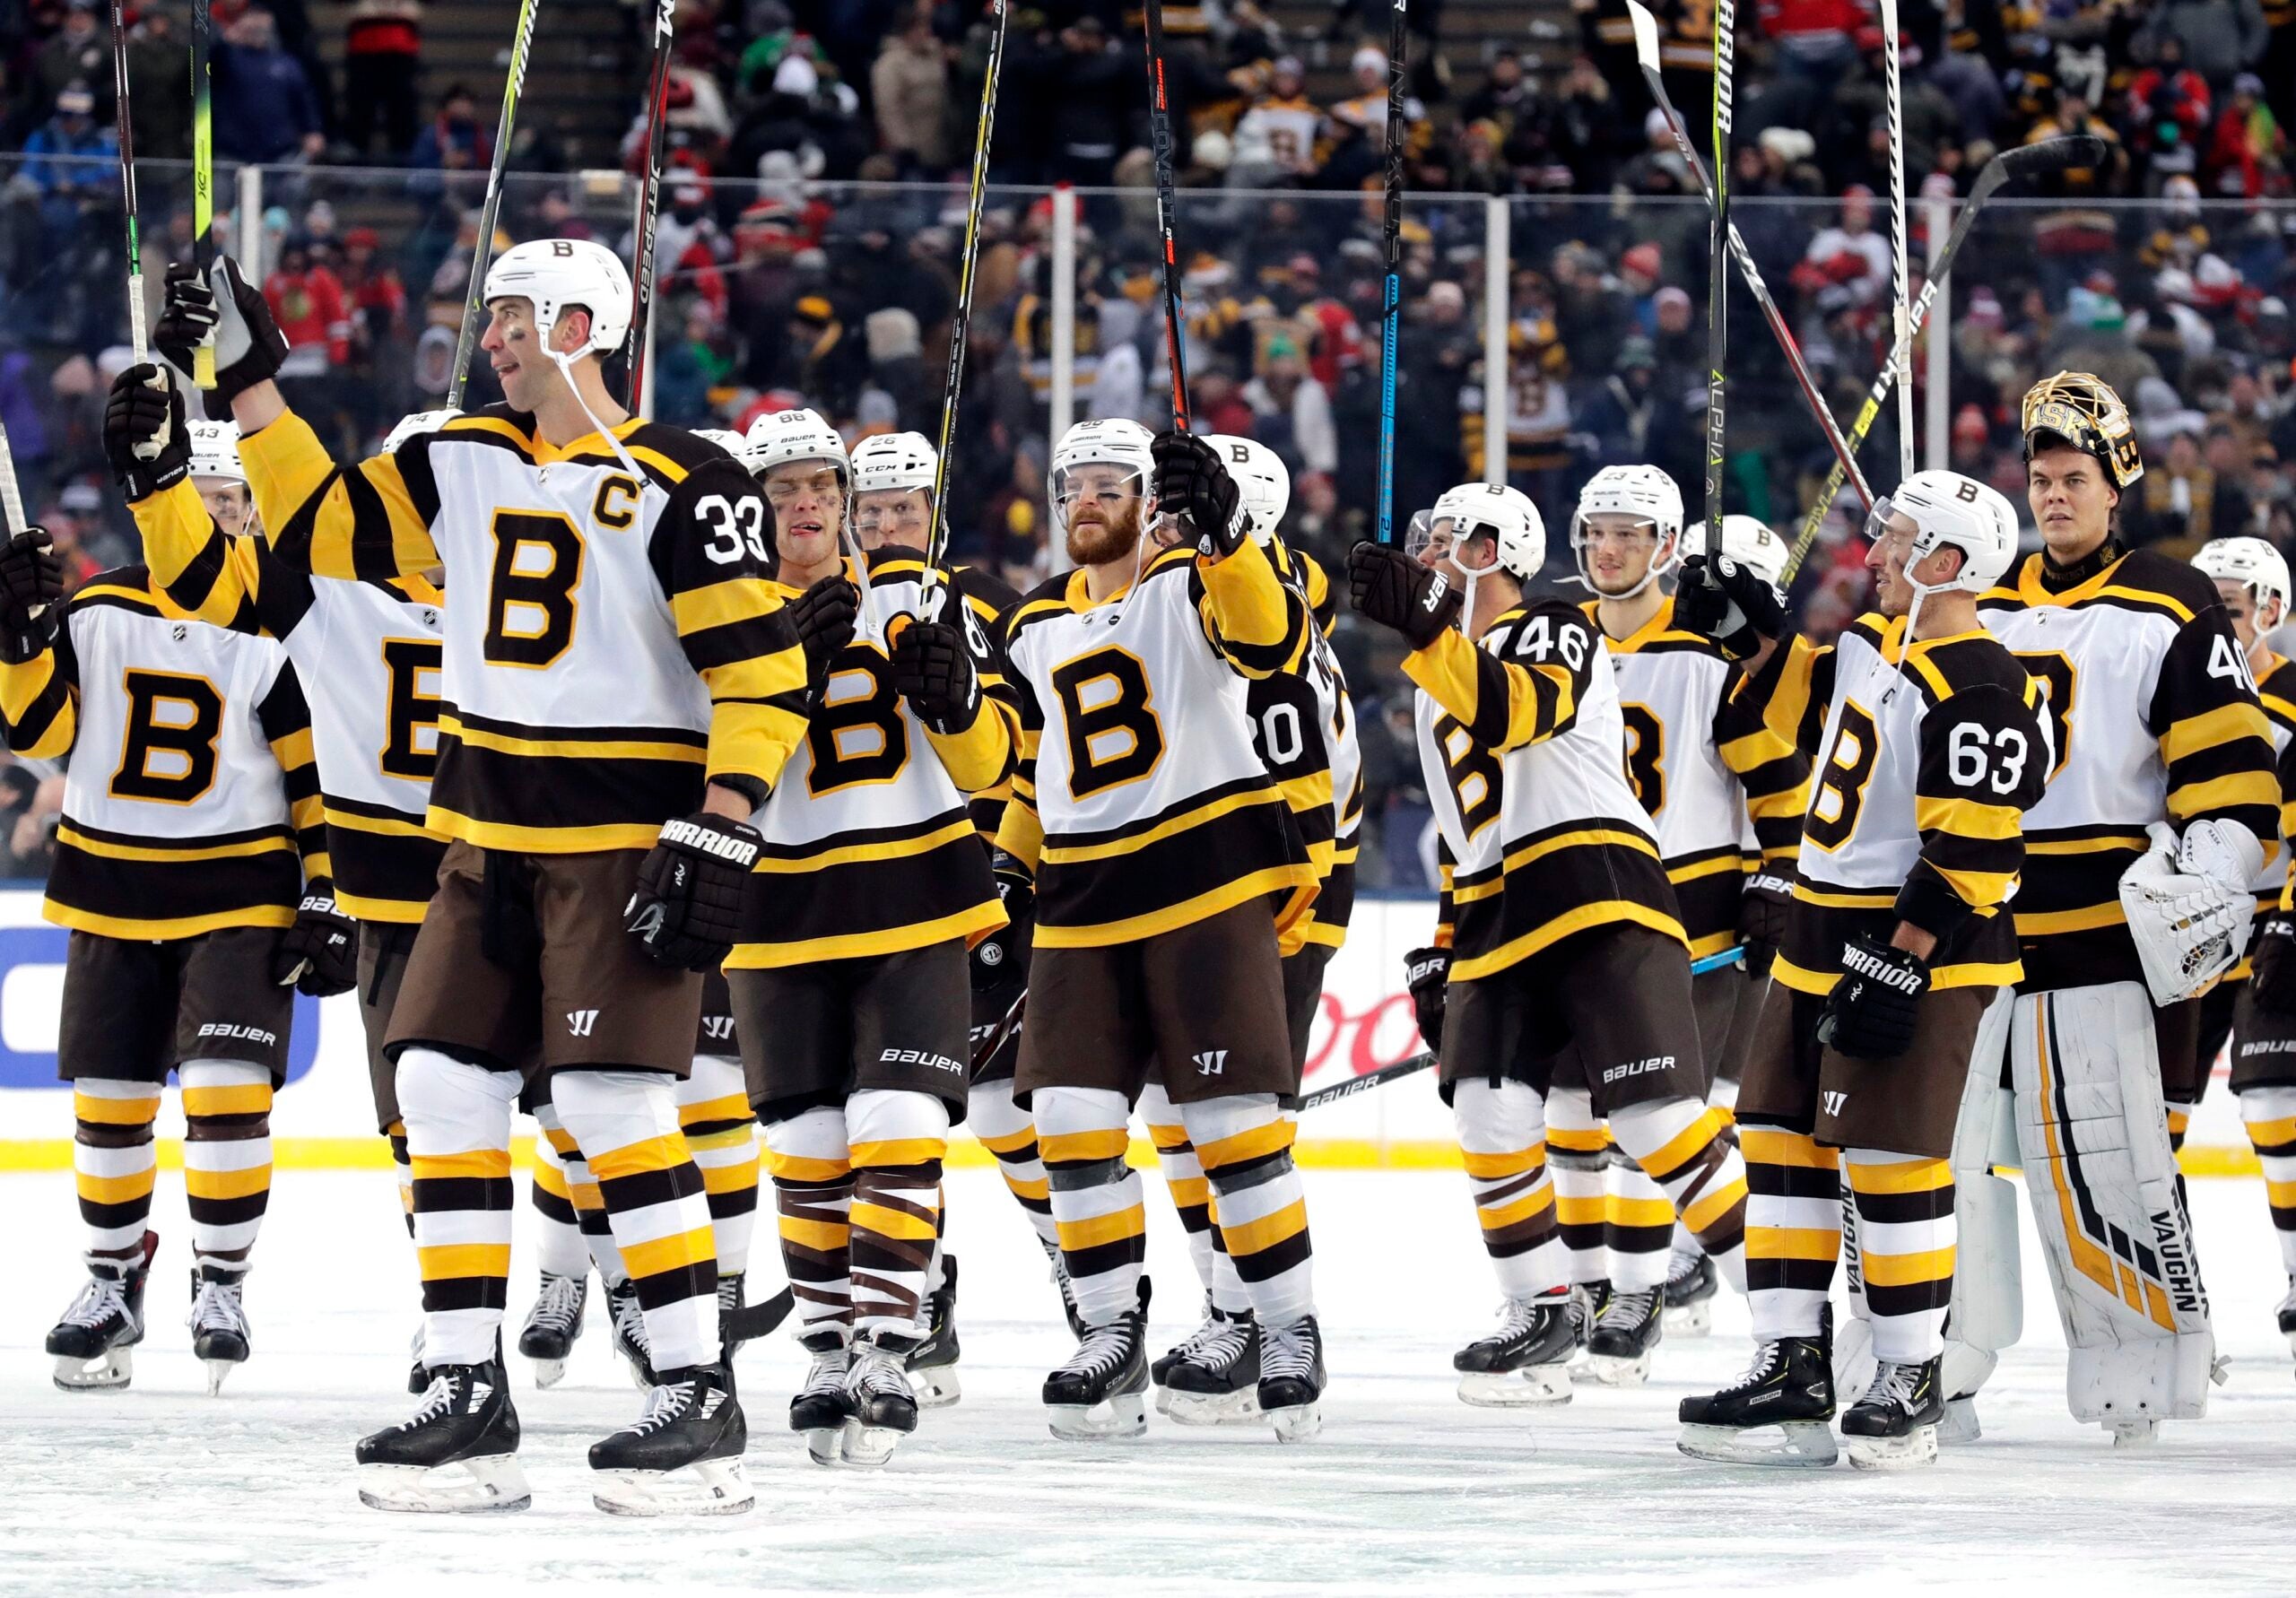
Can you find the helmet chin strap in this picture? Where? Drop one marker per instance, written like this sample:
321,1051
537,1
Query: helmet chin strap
850,537
565,365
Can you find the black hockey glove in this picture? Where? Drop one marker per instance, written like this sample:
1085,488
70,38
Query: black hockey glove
687,907
933,671
144,439
319,954
1002,959
1731,604
1870,1013
1762,918
248,345
1193,484
1427,972
2272,969
31,595
824,617
1391,588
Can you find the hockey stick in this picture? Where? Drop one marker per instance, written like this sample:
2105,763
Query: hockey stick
1718,285
1900,271
1646,51
202,174
757,1320
2027,160
135,330
1003,1034
649,205
474,302
1391,297
11,498
1160,121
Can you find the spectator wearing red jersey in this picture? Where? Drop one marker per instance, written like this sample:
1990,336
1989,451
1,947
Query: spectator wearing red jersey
382,62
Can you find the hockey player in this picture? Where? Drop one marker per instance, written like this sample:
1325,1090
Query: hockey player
604,562
1567,951
2160,816
190,836
1155,953
1893,973
1705,771
1303,728
850,980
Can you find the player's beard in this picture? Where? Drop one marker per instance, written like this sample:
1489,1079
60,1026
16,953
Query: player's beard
1097,543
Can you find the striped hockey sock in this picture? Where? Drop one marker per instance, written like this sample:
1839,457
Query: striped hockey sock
113,1162
1192,1199
1639,1225
1005,1131
396,1137
1096,1197
1244,1141
899,1140
1575,1142
1686,1149
1793,1223
2270,1116
226,1158
813,1188
1905,1236
1503,1137
458,1120
714,1113
559,1248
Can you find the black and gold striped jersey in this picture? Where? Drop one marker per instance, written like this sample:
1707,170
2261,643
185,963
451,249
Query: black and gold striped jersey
1928,758
615,640
1705,768
990,600
2154,717
1304,727
2277,689
191,802
367,654
1140,801
869,846
1574,849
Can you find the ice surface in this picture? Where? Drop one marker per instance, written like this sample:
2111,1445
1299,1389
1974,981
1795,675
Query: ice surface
160,1489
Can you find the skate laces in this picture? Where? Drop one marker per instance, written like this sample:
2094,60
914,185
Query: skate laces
1287,1351
877,1372
664,1402
828,1373
1208,1331
1893,1385
560,1308
438,1399
1518,1317
1104,1349
1228,1340
217,1308
1630,1307
100,1298
1684,1271
630,1320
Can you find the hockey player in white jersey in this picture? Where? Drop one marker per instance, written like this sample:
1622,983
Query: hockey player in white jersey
623,692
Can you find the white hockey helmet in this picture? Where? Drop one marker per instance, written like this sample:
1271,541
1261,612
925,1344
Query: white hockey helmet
1644,493
1948,510
416,424
1746,539
725,438
780,436
215,451
2251,562
1261,476
896,461
559,273
1111,441
1506,513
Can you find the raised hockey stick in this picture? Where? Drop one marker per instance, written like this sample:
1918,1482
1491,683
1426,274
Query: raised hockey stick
202,174
1901,270
1391,296
1160,122
1646,51
474,302
757,1320
12,498
2027,160
649,205
1718,283
137,338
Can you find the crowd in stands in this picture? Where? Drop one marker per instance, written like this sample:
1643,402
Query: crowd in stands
812,211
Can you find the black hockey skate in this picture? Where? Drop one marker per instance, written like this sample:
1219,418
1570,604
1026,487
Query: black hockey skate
879,1396
1690,1296
553,1324
2287,1313
456,1454
1588,1299
218,1322
933,1366
630,1332
1894,1426
94,1343
1292,1379
1776,1414
1098,1395
1526,1362
1213,1377
823,1405
1618,1348
682,1456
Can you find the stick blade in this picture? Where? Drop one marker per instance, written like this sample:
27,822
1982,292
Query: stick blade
1645,35
2065,154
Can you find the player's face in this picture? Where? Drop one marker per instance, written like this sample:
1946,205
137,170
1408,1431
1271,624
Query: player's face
1886,558
2240,605
520,364
1620,549
2071,501
227,502
892,515
1100,503
808,501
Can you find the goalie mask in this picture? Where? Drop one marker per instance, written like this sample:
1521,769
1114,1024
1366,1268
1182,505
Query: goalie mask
1644,493
2082,413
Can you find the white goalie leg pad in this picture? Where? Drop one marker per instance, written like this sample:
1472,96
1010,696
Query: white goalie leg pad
1988,1307
2094,1138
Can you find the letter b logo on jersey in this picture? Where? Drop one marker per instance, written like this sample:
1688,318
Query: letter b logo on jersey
169,753
1114,736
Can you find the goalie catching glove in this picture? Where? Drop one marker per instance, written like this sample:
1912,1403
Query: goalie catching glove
686,909
2188,906
1871,1013
249,348
319,954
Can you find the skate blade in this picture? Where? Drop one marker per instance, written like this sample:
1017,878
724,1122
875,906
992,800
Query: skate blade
1209,1409
935,1385
1609,1370
2134,1434
2291,1331
1298,1423
1117,1419
1917,1448
825,1445
1960,1424
217,1369
491,1485
107,1372
548,1373
1689,1320
1802,1444
712,1487
1534,1386
869,1446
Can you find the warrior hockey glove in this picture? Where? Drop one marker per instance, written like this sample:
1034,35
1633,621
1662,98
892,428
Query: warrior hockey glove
1191,483
319,954
1761,917
143,433
248,345
824,617
2272,974
31,595
1002,958
1870,1013
1427,972
1390,588
933,671
687,907
1732,603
